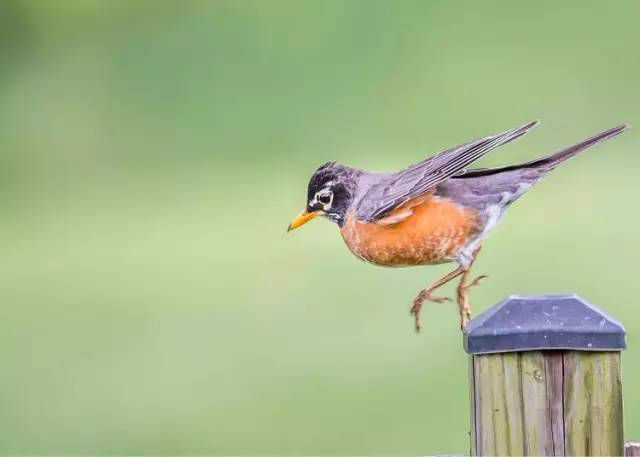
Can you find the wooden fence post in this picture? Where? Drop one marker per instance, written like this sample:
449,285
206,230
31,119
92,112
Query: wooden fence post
545,378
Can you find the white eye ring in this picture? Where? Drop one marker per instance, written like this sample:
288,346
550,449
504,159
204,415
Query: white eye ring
325,198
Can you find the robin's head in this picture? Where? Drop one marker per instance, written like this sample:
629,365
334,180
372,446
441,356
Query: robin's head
329,194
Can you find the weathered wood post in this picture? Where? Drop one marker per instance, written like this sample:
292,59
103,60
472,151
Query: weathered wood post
545,378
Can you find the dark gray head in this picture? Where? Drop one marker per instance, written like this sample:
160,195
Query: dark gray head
330,192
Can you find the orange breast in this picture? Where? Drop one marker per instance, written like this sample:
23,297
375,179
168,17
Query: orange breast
433,232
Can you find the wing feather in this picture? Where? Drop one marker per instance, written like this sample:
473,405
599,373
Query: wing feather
422,177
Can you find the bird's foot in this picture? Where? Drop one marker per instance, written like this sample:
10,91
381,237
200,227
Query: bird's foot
465,317
465,310
463,301
476,282
423,296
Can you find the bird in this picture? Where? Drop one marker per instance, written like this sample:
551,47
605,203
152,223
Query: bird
432,212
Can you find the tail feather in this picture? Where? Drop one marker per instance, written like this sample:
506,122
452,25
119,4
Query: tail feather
551,161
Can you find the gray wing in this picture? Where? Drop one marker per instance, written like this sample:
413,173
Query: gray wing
416,180
485,187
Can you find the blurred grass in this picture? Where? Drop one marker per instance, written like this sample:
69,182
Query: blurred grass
154,152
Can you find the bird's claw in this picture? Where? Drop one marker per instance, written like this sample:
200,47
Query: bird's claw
415,312
426,296
463,300
476,282
465,317
439,299
417,306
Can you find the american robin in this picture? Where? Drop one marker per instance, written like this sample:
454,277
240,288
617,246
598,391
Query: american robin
432,212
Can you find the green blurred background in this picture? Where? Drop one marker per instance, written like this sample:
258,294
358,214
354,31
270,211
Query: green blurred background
153,153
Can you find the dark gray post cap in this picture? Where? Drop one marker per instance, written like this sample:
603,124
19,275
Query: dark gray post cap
539,322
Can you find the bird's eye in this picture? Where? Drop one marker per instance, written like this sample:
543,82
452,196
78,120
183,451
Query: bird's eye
325,199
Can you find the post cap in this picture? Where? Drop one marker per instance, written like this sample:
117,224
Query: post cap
540,322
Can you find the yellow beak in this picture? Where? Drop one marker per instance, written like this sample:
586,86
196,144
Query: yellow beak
303,218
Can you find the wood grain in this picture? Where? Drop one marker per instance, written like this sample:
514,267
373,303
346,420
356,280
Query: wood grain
554,369
511,404
593,403
550,403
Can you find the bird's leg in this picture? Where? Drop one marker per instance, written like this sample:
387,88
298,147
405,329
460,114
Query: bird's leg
463,288
425,294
